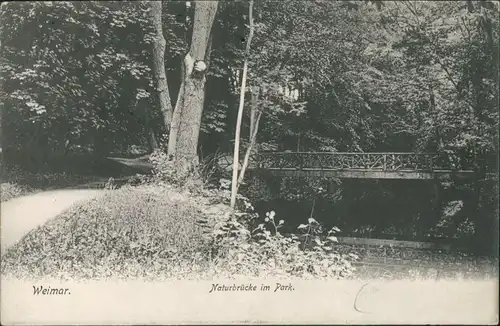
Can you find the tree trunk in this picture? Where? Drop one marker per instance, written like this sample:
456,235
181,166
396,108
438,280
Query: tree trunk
176,120
153,143
253,110
236,159
159,63
234,184
186,120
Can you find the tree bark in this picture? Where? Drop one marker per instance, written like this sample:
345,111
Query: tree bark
234,184
159,63
253,110
153,143
236,152
176,118
186,120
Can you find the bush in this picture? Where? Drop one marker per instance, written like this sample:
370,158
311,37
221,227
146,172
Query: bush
264,252
194,180
28,182
9,190
164,172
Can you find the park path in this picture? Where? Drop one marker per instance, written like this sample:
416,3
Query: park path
23,214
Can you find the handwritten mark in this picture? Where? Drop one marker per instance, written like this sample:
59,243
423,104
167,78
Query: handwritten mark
356,299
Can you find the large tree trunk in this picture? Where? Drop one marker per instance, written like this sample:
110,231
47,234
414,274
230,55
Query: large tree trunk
186,120
159,63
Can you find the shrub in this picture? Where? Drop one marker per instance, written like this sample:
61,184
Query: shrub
10,190
14,177
164,171
265,252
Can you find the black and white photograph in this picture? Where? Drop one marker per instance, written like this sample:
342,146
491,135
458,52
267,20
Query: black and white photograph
249,162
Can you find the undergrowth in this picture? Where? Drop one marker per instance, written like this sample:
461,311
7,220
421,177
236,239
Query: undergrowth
11,190
16,182
170,227
167,226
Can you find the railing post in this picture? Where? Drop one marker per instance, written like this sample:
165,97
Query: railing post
300,161
385,162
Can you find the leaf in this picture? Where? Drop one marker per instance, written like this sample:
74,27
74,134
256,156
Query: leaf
302,226
332,238
311,220
317,269
219,232
354,256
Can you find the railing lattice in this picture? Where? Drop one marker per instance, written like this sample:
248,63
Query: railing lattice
425,162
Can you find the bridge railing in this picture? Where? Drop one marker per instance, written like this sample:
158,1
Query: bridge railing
366,161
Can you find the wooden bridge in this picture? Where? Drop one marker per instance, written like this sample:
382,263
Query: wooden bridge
360,165
424,166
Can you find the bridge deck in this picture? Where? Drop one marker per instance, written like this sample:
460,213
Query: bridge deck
364,174
423,166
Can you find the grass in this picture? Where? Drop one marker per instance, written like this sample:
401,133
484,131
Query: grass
131,231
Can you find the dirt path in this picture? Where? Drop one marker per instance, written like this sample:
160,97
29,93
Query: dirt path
21,215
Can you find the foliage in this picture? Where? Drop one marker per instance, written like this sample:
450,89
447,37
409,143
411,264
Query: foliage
15,181
265,252
164,171
442,56
408,76
311,188
350,78
76,75
10,191
152,231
